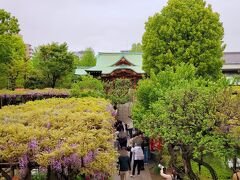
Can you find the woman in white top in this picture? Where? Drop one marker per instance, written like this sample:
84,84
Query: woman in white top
138,158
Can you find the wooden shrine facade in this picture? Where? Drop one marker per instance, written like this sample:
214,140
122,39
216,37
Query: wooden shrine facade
123,74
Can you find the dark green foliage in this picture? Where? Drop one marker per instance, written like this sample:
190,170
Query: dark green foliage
118,91
88,59
35,80
184,31
88,87
54,61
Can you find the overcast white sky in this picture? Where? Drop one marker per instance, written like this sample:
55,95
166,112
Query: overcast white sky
104,25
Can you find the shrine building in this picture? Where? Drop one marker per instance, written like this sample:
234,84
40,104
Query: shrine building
111,66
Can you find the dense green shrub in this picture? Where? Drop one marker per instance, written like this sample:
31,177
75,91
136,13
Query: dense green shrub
119,91
88,87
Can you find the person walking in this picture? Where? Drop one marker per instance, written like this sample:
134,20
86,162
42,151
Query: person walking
136,139
122,138
138,159
130,127
145,146
124,163
139,140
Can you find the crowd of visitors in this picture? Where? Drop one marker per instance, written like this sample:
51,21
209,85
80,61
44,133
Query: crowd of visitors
133,148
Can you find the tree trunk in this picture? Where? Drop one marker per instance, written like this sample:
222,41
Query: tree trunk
200,164
12,83
187,155
28,175
211,170
53,175
234,162
173,159
54,80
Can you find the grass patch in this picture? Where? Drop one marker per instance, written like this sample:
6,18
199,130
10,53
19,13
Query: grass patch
223,172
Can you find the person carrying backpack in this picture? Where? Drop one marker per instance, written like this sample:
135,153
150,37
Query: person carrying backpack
124,163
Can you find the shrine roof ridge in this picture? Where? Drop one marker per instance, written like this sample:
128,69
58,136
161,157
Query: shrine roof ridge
117,53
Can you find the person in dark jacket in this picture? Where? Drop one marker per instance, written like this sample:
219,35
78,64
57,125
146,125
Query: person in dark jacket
119,125
124,163
122,139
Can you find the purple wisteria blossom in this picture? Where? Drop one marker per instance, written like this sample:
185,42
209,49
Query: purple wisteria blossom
74,145
23,162
47,149
109,108
114,113
99,175
56,165
48,125
42,169
73,160
89,157
33,144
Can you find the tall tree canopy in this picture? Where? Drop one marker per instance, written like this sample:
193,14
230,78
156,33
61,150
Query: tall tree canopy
136,47
54,61
88,58
12,50
8,24
184,111
184,31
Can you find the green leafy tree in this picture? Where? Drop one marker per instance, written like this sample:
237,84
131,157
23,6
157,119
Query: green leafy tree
8,23
34,78
71,77
12,51
184,31
54,61
88,87
12,48
136,47
88,58
184,111
118,91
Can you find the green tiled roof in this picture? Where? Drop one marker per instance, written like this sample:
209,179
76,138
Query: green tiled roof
106,61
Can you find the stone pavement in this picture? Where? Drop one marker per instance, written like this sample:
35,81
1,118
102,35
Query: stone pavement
144,175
